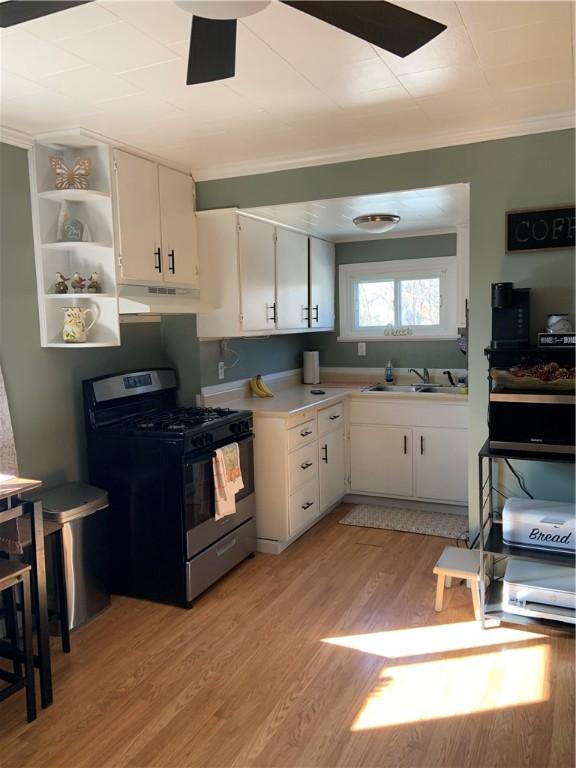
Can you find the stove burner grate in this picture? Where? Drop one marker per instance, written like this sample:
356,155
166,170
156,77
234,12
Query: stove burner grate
179,420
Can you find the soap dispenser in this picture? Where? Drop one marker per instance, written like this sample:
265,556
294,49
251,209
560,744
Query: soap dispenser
389,372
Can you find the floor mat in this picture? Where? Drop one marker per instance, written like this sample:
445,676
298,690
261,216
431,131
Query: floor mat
449,526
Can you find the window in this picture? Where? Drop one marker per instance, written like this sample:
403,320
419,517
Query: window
414,299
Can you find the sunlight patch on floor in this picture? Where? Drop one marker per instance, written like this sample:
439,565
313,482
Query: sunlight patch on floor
458,686
423,641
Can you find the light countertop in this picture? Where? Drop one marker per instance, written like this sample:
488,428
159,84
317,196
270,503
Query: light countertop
296,399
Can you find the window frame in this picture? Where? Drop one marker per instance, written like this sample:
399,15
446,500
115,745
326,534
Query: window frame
350,275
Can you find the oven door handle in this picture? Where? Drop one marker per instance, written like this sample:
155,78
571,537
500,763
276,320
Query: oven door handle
208,455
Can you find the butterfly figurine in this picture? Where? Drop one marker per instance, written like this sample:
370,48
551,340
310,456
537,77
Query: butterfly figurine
71,178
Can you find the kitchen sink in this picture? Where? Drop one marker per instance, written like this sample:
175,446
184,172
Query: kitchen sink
427,388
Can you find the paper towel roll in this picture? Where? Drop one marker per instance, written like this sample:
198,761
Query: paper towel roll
312,367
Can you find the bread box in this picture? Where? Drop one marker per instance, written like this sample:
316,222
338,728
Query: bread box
537,524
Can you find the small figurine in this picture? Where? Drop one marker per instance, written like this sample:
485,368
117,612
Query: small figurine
61,284
94,283
75,177
77,283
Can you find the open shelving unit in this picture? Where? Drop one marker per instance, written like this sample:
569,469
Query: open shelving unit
494,552
92,207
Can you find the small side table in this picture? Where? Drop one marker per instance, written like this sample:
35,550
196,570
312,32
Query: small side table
458,563
11,505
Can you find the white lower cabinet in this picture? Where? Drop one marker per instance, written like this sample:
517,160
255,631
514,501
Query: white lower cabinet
304,507
299,470
441,464
412,450
381,460
332,468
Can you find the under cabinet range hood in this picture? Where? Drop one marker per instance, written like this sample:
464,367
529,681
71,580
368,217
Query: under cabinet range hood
160,300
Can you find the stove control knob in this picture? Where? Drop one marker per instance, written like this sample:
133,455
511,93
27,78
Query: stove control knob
234,428
246,426
197,441
209,439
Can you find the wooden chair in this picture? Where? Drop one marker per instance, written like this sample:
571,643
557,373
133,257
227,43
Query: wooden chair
13,574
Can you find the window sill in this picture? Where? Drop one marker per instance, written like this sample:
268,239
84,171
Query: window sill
397,338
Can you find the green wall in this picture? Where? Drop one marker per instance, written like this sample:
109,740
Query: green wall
44,385
197,361
523,172
403,354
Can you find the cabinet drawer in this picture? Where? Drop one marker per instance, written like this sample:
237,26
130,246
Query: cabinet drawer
303,466
304,507
301,435
330,418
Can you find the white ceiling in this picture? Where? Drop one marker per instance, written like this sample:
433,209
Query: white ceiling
304,91
421,211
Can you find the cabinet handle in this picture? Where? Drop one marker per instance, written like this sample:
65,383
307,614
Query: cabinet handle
334,416
325,449
158,260
305,314
225,547
405,445
306,465
421,445
308,505
315,313
306,432
273,308
171,261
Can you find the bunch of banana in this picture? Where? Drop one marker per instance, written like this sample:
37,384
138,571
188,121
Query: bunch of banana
259,388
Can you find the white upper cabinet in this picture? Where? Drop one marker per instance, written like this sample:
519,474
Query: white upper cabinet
257,274
155,223
137,219
178,226
322,284
291,279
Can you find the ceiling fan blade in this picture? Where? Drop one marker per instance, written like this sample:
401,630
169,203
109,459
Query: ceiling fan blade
212,50
15,12
383,24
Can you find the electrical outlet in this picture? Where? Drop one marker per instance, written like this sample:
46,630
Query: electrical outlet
221,370
361,349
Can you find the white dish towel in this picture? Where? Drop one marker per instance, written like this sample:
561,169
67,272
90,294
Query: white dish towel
227,479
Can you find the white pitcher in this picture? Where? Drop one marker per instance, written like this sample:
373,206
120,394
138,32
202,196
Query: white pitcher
75,330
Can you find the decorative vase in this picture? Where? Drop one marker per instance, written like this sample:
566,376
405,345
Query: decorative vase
75,330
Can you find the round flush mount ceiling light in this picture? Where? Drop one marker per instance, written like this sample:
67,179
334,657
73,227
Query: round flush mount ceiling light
235,9
376,222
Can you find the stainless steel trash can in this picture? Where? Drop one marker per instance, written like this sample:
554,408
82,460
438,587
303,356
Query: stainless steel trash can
82,511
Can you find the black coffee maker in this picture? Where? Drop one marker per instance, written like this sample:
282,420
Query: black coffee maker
510,316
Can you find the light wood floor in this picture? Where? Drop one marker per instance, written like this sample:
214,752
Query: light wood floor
245,679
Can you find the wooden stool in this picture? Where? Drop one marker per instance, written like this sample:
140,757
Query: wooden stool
458,563
11,575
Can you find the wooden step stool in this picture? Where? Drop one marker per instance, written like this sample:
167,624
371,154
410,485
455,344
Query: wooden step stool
458,563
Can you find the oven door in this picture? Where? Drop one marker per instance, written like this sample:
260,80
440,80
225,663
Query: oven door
201,528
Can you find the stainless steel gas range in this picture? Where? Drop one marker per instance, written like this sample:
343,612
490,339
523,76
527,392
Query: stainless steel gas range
155,461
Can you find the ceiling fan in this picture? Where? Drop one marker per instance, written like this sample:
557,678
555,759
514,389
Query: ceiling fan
213,39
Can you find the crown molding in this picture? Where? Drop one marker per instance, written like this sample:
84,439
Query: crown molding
15,138
438,140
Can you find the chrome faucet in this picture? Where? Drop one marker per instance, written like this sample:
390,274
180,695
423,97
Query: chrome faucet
424,376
